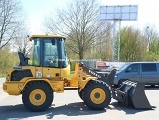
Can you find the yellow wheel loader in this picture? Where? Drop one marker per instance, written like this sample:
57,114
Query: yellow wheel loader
38,81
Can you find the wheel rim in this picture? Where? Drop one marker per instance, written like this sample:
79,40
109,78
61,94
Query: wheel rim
98,95
37,97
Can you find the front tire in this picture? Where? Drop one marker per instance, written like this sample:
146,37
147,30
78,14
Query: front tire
37,96
80,93
96,95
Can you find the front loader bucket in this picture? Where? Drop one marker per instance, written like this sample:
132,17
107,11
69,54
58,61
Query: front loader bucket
132,94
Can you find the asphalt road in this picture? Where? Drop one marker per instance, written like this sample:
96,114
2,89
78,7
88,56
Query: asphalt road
68,106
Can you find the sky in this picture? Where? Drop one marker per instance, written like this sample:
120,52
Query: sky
37,10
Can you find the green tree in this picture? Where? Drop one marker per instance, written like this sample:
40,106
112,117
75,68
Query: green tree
132,45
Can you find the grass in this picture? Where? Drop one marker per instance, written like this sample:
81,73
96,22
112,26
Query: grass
2,75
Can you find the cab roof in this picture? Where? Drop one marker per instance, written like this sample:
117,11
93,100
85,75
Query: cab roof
47,36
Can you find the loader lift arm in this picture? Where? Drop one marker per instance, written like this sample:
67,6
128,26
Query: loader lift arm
108,80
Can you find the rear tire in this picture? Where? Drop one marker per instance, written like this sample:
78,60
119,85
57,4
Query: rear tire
96,95
37,96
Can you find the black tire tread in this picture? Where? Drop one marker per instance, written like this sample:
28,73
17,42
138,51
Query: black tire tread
37,85
86,94
81,92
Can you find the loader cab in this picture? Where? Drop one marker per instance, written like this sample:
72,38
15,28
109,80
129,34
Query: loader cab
49,56
49,51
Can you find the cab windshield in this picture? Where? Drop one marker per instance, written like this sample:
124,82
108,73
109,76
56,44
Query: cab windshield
36,52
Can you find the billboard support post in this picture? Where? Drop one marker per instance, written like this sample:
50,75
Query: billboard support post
118,14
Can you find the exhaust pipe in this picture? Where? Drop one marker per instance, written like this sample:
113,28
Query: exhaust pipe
132,94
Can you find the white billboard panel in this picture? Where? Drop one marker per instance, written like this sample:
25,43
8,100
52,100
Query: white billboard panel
122,13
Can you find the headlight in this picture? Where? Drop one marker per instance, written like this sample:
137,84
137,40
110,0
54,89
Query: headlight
115,76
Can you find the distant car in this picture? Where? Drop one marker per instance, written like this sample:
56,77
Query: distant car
146,72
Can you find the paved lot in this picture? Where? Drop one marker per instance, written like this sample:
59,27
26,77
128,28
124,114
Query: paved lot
68,106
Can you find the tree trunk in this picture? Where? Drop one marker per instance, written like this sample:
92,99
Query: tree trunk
81,55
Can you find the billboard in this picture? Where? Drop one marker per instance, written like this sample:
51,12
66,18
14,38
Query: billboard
122,13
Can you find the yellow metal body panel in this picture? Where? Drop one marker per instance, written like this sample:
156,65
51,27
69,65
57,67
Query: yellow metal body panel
15,88
79,79
55,72
47,74
12,88
65,71
9,71
55,83
50,76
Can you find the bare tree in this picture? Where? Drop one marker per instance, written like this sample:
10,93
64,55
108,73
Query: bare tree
21,42
103,43
9,20
79,22
151,37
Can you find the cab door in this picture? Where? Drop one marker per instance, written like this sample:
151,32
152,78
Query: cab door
51,62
